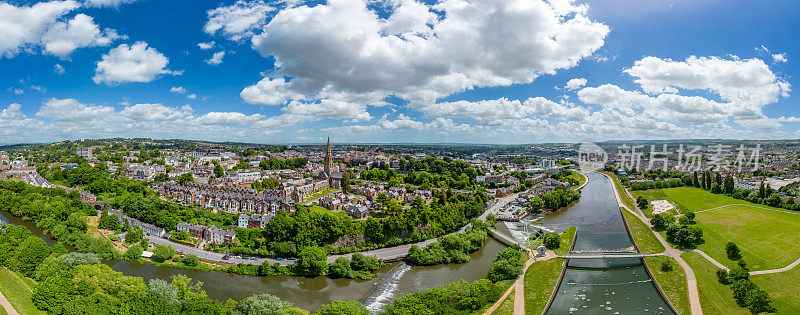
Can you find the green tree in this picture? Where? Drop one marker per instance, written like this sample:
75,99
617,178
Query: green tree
163,177
535,204
312,261
30,254
641,202
218,171
162,253
340,268
265,303
134,252
733,251
551,240
134,235
185,178
662,220
346,184
342,307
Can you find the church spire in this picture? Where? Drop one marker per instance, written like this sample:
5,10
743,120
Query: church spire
328,158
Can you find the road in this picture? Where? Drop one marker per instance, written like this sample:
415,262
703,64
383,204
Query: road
388,253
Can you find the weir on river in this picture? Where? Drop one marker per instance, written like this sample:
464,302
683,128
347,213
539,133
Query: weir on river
607,285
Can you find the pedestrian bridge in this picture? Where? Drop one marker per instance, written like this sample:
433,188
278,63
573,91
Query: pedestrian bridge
607,256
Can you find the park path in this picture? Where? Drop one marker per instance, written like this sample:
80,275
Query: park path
691,279
752,273
9,309
519,286
746,205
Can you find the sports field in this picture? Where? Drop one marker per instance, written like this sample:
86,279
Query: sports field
783,287
768,237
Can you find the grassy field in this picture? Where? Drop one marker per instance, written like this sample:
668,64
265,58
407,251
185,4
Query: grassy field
784,293
715,298
566,241
318,209
321,193
578,177
752,228
650,195
672,282
18,292
644,237
625,199
540,281
506,308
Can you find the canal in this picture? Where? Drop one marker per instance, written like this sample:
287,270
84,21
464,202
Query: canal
591,286
392,281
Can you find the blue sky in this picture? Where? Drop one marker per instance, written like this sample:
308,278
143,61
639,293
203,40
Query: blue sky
499,71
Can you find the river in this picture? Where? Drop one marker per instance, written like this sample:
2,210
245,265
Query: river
614,286
391,281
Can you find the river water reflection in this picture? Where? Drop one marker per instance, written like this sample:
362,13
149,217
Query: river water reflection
312,293
591,286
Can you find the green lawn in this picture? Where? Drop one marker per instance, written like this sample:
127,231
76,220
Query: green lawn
578,177
672,282
318,209
650,195
505,308
566,241
783,288
321,193
625,199
715,298
540,281
16,291
642,235
768,239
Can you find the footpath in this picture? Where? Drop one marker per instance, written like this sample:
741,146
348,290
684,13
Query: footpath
691,279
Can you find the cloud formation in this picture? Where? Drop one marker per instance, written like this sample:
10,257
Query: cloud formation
134,63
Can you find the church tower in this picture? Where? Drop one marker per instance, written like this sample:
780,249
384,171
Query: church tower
328,159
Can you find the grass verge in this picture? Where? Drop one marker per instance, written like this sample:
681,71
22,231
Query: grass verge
566,241
18,291
715,298
540,281
672,282
644,237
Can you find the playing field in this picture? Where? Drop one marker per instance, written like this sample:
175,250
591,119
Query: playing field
715,298
783,288
768,237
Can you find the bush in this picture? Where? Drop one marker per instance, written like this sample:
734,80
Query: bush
343,308
190,260
76,259
360,262
134,235
133,252
162,253
340,268
666,266
312,261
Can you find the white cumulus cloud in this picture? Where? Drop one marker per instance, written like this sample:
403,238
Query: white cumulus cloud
238,20
134,63
216,58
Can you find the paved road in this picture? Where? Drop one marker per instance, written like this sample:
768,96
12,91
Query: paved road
388,253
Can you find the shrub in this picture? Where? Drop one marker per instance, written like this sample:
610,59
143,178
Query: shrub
190,260
133,252
666,266
162,253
